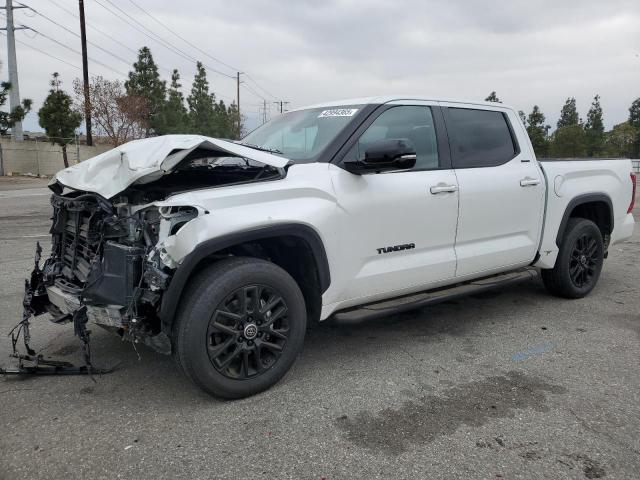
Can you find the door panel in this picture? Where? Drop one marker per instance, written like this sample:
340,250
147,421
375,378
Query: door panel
391,209
378,212
501,190
499,220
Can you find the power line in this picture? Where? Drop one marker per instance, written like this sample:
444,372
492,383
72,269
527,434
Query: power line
200,49
76,51
93,27
252,91
183,39
159,40
260,87
154,36
151,34
43,52
93,44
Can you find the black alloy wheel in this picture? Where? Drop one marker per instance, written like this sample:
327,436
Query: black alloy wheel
579,261
240,326
248,332
584,259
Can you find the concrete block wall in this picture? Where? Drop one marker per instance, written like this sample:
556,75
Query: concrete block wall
41,157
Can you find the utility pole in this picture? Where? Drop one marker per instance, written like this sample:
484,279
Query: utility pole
281,103
85,74
238,101
14,93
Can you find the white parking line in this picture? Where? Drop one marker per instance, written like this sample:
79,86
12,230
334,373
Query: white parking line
20,237
27,192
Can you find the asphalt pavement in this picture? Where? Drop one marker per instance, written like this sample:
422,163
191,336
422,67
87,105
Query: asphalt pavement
508,384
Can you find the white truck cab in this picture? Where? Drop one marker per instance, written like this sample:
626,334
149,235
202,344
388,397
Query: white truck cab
222,252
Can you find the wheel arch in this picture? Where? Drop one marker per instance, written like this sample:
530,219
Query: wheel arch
229,244
596,207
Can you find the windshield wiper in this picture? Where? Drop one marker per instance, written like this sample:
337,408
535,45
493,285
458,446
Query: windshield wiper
258,147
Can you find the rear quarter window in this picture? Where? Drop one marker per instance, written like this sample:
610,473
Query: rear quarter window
479,138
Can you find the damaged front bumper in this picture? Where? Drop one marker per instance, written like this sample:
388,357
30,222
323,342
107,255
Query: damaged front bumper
34,303
104,268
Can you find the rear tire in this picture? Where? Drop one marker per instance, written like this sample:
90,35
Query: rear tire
240,327
579,261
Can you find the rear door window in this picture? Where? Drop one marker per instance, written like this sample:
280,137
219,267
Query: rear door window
479,138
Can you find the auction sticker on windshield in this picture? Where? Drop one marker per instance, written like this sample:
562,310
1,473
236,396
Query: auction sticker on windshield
338,112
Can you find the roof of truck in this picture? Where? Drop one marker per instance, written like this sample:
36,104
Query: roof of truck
391,98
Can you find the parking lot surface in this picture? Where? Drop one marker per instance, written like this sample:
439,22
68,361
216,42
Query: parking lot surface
508,384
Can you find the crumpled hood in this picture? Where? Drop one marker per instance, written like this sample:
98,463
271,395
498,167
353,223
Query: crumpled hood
142,161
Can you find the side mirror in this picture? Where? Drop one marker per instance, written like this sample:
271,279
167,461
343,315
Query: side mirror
385,155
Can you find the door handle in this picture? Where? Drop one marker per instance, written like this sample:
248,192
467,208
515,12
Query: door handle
529,182
442,188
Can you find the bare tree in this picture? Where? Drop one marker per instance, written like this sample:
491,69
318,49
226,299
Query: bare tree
114,113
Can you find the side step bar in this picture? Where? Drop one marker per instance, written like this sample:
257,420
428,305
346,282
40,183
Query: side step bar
418,300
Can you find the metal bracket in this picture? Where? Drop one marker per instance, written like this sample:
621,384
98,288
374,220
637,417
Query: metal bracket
40,365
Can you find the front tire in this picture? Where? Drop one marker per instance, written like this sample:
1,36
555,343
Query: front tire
579,261
240,327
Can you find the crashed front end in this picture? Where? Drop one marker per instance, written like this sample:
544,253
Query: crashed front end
108,263
105,268
103,258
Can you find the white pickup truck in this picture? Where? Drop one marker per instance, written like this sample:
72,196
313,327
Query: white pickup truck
221,253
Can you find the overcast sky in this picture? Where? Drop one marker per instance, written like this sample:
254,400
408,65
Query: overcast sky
307,51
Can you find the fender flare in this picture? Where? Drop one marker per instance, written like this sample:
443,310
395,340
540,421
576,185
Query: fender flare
171,297
580,200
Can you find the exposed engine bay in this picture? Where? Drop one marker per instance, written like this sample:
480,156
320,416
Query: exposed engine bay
107,265
102,257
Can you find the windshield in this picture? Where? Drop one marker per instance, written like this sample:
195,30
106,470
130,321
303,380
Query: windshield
302,134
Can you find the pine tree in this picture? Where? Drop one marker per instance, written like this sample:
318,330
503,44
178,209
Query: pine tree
492,98
569,114
144,81
201,105
594,129
523,117
538,132
568,142
9,119
619,142
634,113
220,120
173,117
58,118
235,121
634,121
